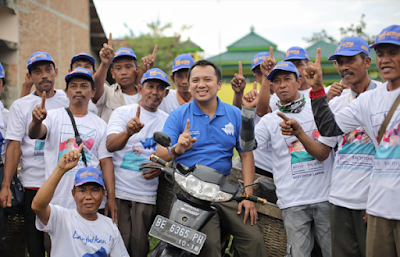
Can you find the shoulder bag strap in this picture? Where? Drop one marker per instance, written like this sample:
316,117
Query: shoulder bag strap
387,119
77,136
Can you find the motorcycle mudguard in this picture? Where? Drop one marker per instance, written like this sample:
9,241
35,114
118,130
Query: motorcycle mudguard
187,213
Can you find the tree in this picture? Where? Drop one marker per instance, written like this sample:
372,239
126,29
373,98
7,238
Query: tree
357,31
351,31
168,47
318,36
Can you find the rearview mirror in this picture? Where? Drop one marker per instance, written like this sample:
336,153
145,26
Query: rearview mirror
162,139
267,184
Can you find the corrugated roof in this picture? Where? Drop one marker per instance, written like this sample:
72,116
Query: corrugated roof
251,40
242,56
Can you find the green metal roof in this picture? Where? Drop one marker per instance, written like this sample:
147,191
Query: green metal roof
251,42
189,46
244,57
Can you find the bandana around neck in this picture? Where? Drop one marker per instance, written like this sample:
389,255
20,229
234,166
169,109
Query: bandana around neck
293,107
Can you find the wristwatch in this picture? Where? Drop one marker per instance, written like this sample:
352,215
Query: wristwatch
176,155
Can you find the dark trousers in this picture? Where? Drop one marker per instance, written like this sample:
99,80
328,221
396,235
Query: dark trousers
348,232
34,237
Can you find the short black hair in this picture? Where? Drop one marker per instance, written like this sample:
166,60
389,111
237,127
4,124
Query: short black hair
33,65
82,59
206,63
363,55
81,77
4,81
124,57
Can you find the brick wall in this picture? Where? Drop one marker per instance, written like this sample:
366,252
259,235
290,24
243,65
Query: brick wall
59,27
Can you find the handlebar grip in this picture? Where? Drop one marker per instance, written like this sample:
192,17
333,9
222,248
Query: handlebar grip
256,199
158,160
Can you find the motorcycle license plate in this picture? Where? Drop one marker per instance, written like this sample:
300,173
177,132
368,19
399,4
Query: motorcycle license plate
177,235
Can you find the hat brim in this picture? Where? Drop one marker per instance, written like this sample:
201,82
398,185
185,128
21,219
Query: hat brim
89,181
180,68
271,74
166,82
124,55
30,65
89,58
72,75
297,58
384,42
345,53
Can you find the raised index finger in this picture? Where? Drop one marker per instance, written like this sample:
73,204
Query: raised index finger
155,51
138,112
187,126
283,116
271,52
240,69
110,40
318,58
43,99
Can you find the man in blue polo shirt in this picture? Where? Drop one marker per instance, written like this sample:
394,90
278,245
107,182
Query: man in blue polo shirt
205,131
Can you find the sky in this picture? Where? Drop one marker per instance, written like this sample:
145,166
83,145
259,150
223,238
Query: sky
218,23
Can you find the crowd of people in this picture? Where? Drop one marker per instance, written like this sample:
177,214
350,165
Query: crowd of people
333,152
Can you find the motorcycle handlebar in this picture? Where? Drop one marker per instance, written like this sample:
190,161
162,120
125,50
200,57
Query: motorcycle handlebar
244,196
158,160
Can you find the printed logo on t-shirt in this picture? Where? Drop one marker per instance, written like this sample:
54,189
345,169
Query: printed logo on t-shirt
229,129
100,253
39,149
357,152
387,157
68,143
304,164
134,160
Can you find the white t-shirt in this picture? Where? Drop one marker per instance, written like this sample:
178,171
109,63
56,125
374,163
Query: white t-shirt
170,102
93,108
369,110
299,178
128,177
73,235
3,129
60,139
32,173
130,99
272,102
353,163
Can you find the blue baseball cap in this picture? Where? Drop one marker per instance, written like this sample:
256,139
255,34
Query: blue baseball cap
389,35
39,57
83,55
79,71
123,51
258,59
2,73
183,61
155,73
87,175
349,47
285,66
296,53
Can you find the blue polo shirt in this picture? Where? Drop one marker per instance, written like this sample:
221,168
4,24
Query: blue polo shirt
216,137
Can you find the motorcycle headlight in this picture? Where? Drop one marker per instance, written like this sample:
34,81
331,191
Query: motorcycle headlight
200,189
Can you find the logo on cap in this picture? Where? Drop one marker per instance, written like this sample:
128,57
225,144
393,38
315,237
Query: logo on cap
87,173
155,72
80,70
121,51
33,58
392,34
259,58
2,72
345,44
184,62
295,52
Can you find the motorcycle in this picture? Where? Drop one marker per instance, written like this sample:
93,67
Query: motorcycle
179,234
